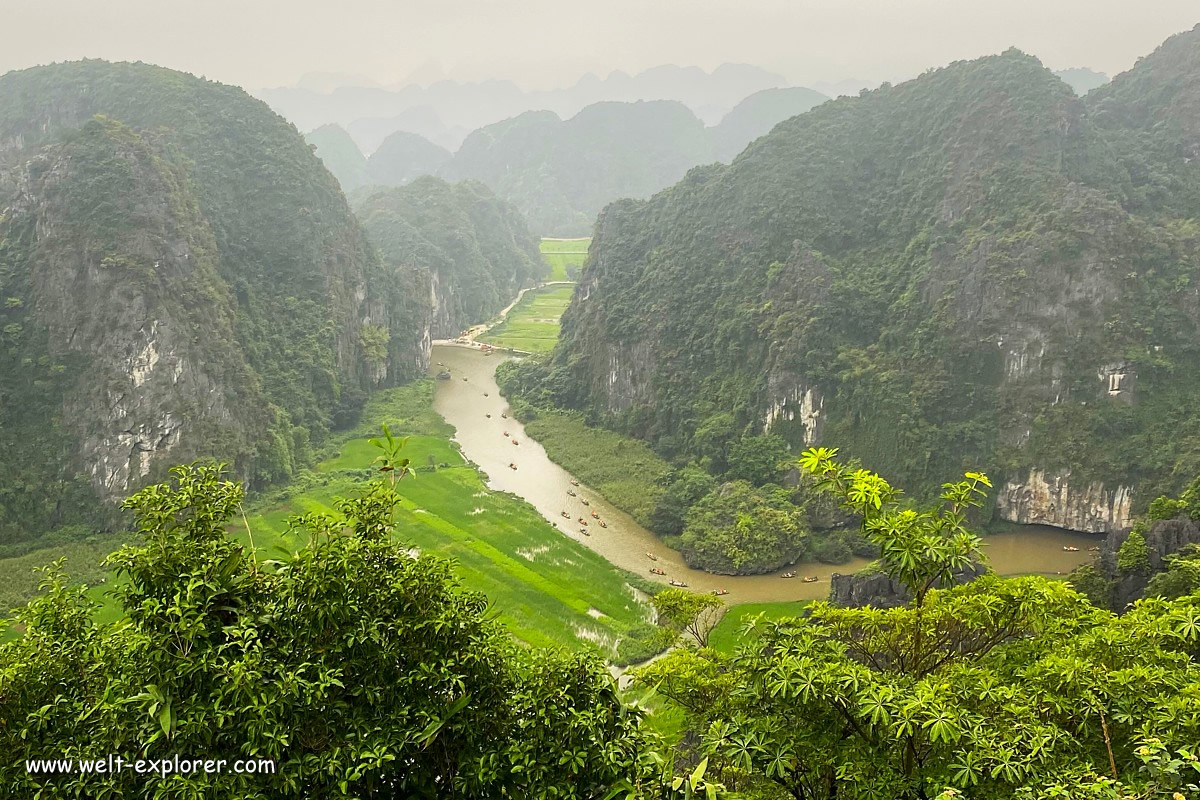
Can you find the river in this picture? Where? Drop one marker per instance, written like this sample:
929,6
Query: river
544,485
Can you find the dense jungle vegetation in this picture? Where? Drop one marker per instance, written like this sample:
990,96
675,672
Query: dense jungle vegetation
951,272
364,670
476,247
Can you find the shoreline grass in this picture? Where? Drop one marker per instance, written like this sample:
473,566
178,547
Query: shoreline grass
622,469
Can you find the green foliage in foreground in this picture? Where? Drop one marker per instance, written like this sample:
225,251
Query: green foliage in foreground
565,257
546,589
532,325
687,614
360,670
727,635
998,688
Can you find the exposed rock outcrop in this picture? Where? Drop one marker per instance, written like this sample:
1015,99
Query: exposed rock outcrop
878,590
1041,499
1163,539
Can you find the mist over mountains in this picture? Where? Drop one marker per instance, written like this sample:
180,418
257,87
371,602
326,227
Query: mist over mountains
446,111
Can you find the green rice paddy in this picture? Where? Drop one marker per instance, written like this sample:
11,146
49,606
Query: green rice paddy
545,588
727,635
533,325
564,254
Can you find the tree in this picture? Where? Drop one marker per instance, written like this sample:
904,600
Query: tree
739,529
685,487
1181,578
356,668
1134,555
757,459
681,611
997,688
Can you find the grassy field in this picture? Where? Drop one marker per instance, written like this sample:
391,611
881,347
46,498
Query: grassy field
532,325
547,589
562,254
728,633
626,471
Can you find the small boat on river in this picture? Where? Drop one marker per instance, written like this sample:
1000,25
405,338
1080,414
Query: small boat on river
583,521
566,515
595,515
720,592
584,531
656,571
512,466
489,416
1070,548
572,494
574,482
443,376
506,433
651,556
679,584
603,524
514,441
504,416
811,579
788,575
584,501
485,394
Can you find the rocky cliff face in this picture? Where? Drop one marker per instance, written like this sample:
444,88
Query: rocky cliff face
1163,539
179,277
1040,499
966,271
473,248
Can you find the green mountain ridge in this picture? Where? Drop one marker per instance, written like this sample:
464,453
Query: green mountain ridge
475,248
340,155
963,271
179,277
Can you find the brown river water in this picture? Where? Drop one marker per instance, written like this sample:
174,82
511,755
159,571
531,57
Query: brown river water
544,485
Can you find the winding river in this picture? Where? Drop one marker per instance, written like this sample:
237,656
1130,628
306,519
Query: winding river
544,485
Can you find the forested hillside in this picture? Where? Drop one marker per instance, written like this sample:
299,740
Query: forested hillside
756,115
560,173
972,269
179,277
402,157
475,248
339,154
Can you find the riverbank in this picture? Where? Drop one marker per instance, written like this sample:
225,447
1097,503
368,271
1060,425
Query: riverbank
545,484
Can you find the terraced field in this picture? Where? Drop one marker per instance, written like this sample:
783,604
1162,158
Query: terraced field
533,325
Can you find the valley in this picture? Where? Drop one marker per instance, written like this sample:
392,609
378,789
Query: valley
852,456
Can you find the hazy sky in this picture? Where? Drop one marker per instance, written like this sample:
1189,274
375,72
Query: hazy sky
545,43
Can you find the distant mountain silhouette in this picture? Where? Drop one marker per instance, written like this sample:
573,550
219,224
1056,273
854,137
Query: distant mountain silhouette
445,111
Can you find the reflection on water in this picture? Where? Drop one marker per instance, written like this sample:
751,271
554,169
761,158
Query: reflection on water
544,485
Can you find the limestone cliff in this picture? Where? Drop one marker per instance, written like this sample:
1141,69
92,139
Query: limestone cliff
967,271
179,277
1040,499
473,248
